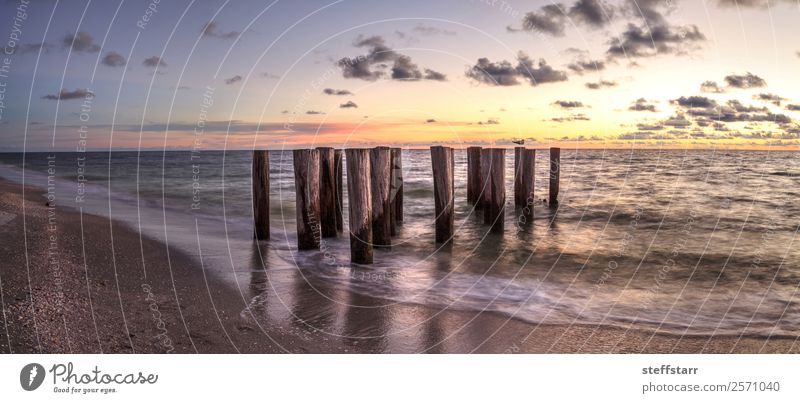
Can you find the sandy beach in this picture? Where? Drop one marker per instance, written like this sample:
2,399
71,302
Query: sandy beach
79,283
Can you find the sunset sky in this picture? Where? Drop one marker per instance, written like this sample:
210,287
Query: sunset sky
244,74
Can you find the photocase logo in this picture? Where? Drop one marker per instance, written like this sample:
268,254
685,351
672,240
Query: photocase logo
31,376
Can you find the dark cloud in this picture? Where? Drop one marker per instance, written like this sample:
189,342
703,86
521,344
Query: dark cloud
314,113
331,91
154,61
430,121
752,3
538,73
581,66
348,104
81,42
64,95
405,69
211,30
793,107
434,75
379,57
747,80
503,73
500,73
642,105
659,39
552,19
233,80
489,122
695,102
774,99
649,127
568,104
113,59
600,84
712,87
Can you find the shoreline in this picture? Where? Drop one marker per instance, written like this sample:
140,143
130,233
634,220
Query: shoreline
80,283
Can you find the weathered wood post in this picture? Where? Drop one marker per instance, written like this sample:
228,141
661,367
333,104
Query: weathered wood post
380,163
486,180
396,192
528,180
306,185
555,175
443,191
519,197
474,178
495,189
359,192
260,177
327,191
337,173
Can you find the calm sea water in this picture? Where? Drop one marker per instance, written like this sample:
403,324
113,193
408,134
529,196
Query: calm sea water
682,242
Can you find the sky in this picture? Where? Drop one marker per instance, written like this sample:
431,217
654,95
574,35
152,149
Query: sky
124,75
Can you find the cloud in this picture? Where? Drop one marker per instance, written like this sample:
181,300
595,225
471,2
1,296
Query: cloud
64,95
774,99
154,61
600,84
489,122
695,102
658,39
793,107
569,104
405,69
703,108
430,121
348,104
30,48
552,19
540,73
211,30
113,59
269,76
712,87
81,42
378,59
747,80
751,3
434,75
331,91
499,74
642,105
314,113
581,66
427,30
505,74
571,118
233,80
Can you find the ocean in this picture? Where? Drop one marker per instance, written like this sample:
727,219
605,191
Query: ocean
686,242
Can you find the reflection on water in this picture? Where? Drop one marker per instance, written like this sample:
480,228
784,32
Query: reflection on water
682,242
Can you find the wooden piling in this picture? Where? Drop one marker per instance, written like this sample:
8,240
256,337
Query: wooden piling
528,173
486,175
443,190
494,189
474,178
555,175
306,185
359,191
519,197
337,174
380,163
260,177
396,191
327,192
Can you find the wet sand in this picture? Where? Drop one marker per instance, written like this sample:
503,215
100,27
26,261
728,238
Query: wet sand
78,283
